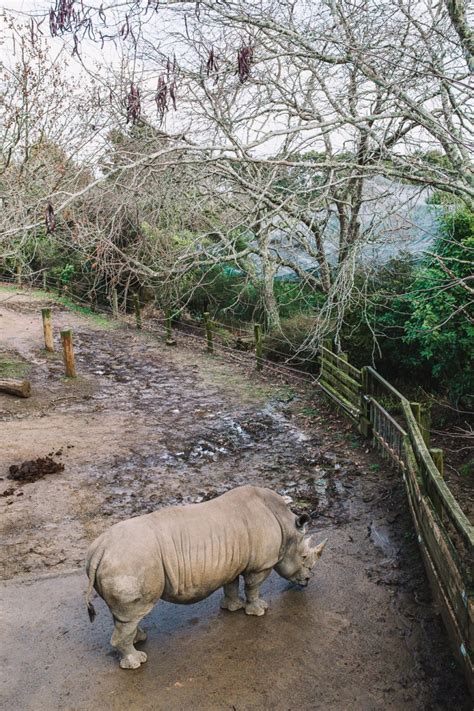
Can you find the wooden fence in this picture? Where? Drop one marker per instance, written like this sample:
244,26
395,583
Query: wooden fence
400,430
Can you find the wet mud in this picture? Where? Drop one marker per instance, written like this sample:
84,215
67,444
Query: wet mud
146,426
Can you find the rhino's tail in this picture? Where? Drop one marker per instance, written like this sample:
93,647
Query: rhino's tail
93,564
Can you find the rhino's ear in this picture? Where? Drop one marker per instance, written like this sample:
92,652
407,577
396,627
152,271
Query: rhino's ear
302,521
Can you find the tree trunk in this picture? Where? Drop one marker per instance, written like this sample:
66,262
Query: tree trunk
269,268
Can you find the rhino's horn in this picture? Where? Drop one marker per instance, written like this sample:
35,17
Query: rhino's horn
317,550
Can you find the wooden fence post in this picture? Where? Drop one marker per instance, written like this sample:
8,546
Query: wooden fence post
345,358
45,280
208,326
68,353
136,306
169,330
425,422
437,456
115,311
258,345
327,344
365,426
416,409
18,274
47,330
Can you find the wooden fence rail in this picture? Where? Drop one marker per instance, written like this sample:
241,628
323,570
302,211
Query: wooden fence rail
445,535
341,381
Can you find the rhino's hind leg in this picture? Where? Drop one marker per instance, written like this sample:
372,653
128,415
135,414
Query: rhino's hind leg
123,637
231,600
140,636
255,605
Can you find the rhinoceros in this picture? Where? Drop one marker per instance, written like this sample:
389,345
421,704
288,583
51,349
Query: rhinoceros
182,554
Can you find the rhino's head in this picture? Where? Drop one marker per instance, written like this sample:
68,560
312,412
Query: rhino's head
300,556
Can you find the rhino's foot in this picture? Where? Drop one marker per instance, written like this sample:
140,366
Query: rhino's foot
133,661
232,604
256,607
140,636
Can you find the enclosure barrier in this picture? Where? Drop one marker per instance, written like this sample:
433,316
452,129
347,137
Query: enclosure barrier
400,431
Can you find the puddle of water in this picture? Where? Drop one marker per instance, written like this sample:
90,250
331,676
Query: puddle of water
380,537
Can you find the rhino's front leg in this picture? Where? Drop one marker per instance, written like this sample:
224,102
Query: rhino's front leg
123,637
231,600
255,605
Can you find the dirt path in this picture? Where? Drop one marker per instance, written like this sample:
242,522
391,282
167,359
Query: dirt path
146,426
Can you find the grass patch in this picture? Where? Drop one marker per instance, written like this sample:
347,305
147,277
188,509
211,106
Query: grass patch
285,393
18,289
309,411
100,319
467,469
11,368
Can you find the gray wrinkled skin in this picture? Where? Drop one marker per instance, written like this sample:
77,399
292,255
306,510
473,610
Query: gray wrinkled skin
183,554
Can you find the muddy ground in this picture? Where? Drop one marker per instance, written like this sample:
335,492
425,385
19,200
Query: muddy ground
145,426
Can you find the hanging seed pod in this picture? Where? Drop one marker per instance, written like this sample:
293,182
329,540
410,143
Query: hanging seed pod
172,92
211,64
133,104
161,96
49,219
63,17
244,62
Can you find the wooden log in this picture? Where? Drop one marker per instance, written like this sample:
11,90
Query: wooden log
47,330
68,353
14,386
208,325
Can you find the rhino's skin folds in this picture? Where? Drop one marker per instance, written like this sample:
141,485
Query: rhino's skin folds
182,554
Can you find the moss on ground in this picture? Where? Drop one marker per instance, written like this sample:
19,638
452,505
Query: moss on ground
100,319
10,367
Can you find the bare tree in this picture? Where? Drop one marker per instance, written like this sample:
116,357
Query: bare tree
289,115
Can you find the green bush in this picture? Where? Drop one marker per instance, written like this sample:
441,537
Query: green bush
417,324
441,326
